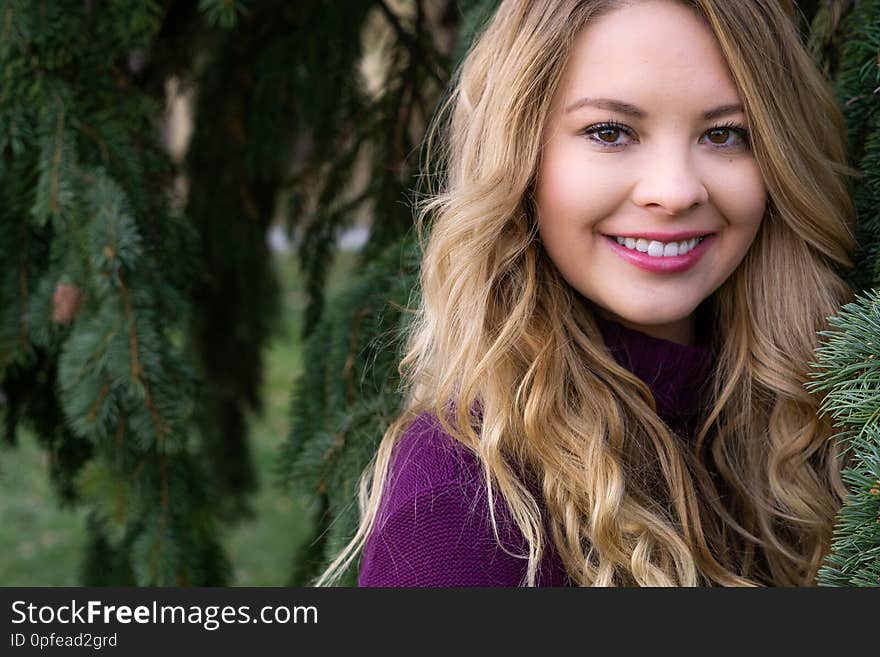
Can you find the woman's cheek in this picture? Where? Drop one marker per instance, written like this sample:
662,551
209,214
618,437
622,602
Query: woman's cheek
575,190
741,196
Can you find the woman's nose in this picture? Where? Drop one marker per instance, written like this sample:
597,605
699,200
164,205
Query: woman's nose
670,182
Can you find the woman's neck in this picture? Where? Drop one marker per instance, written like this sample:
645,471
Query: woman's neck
682,331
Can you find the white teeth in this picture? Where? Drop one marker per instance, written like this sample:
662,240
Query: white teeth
655,248
659,249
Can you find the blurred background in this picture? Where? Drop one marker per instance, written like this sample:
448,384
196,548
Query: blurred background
208,253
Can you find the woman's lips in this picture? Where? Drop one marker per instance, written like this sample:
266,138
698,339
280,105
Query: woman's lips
662,264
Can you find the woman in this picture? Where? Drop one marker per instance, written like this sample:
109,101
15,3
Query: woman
638,237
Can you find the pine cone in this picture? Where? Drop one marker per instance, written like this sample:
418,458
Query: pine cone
65,303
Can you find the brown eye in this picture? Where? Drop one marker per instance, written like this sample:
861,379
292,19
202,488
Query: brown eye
722,133
612,134
607,135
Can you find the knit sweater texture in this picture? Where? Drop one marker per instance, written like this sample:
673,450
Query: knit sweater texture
433,527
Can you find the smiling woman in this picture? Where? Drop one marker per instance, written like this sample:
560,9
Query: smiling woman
640,232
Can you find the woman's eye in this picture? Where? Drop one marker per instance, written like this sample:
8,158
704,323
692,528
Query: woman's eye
606,134
609,135
721,136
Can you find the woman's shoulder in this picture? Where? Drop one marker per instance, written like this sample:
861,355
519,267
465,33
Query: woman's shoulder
433,527
428,459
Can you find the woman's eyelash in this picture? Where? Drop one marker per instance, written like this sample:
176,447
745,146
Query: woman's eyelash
607,125
738,128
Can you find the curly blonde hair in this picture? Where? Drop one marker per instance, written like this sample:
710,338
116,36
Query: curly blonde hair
628,503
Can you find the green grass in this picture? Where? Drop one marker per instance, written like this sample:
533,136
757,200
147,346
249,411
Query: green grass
41,544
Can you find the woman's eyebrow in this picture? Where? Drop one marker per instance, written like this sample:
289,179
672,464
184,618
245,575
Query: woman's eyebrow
632,110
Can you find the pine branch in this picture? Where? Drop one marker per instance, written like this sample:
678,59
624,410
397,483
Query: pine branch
85,353
848,371
423,53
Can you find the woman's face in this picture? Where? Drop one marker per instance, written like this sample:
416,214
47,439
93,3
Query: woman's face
646,140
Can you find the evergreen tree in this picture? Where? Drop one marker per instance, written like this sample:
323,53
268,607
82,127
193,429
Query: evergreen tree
846,36
134,315
93,283
849,369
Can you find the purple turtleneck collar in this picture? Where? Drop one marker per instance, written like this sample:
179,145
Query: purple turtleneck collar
676,373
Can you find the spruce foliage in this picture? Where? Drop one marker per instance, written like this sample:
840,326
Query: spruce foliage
347,398
852,33
90,296
138,294
847,37
849,370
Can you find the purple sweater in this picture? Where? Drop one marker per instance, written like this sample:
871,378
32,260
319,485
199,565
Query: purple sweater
433,527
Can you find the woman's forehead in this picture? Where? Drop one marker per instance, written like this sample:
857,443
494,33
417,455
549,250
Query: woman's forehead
647,54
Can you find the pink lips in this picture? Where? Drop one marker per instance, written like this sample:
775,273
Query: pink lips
662,265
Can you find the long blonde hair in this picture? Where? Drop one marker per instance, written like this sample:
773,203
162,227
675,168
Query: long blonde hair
628,502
